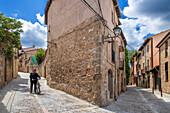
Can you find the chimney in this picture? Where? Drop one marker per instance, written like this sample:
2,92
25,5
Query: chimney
33,46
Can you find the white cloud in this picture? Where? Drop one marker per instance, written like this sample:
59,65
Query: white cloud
40,18
15,15
34,34
145,17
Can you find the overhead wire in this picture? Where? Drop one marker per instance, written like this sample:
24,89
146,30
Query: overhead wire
101,17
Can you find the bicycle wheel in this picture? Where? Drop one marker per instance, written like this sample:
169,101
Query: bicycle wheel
37,88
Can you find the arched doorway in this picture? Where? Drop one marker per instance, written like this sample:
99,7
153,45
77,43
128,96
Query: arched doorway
110,83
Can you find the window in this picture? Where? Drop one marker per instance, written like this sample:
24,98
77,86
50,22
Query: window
148,48
166,48
147,68
113,18
166,71
113,52
143,52
148,62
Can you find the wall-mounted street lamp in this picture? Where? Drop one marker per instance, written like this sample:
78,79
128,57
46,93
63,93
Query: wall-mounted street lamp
117,31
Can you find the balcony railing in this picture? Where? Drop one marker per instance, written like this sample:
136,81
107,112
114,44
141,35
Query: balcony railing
121,48
143,71
121,64
147,68
138,73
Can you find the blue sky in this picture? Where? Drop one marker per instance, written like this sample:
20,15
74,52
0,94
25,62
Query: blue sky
140,19
25,9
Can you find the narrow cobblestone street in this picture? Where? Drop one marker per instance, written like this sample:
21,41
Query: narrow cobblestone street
15,98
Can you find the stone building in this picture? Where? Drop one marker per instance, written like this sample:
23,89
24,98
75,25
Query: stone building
42,69
164,60
8,68
26,62
147,62
133,72
80,61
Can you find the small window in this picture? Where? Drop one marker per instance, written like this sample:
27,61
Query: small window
166,72
143,52
49,28
148,48
166,48
49,51
148,62
113,17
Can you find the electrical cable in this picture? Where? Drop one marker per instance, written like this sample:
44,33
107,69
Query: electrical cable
100,7
94,11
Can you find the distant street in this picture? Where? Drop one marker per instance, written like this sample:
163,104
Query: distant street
15,98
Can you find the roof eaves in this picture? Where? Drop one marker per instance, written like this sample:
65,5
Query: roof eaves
46,10
144,43
117,8
160,43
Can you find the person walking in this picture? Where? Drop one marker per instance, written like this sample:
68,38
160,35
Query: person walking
33,80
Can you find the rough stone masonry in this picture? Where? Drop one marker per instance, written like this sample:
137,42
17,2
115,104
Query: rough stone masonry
75,62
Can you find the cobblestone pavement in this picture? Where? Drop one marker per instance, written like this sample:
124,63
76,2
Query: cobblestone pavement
15,98
140,100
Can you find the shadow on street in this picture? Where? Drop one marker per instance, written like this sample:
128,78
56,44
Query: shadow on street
139,100
7,94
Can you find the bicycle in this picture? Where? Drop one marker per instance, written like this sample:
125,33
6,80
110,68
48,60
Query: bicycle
38,91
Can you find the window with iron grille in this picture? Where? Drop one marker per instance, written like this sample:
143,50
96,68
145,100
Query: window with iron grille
166,48
148,62
166,71
148,48
113,52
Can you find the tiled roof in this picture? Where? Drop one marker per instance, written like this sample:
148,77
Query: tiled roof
27,49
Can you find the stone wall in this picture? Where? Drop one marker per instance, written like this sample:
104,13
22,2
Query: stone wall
74,62
165,84
111,92
81,64
42,69
2,68
8,70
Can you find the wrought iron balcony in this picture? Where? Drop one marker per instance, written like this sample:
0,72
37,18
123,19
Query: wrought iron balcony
121,64
147,68
121,48
143,71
